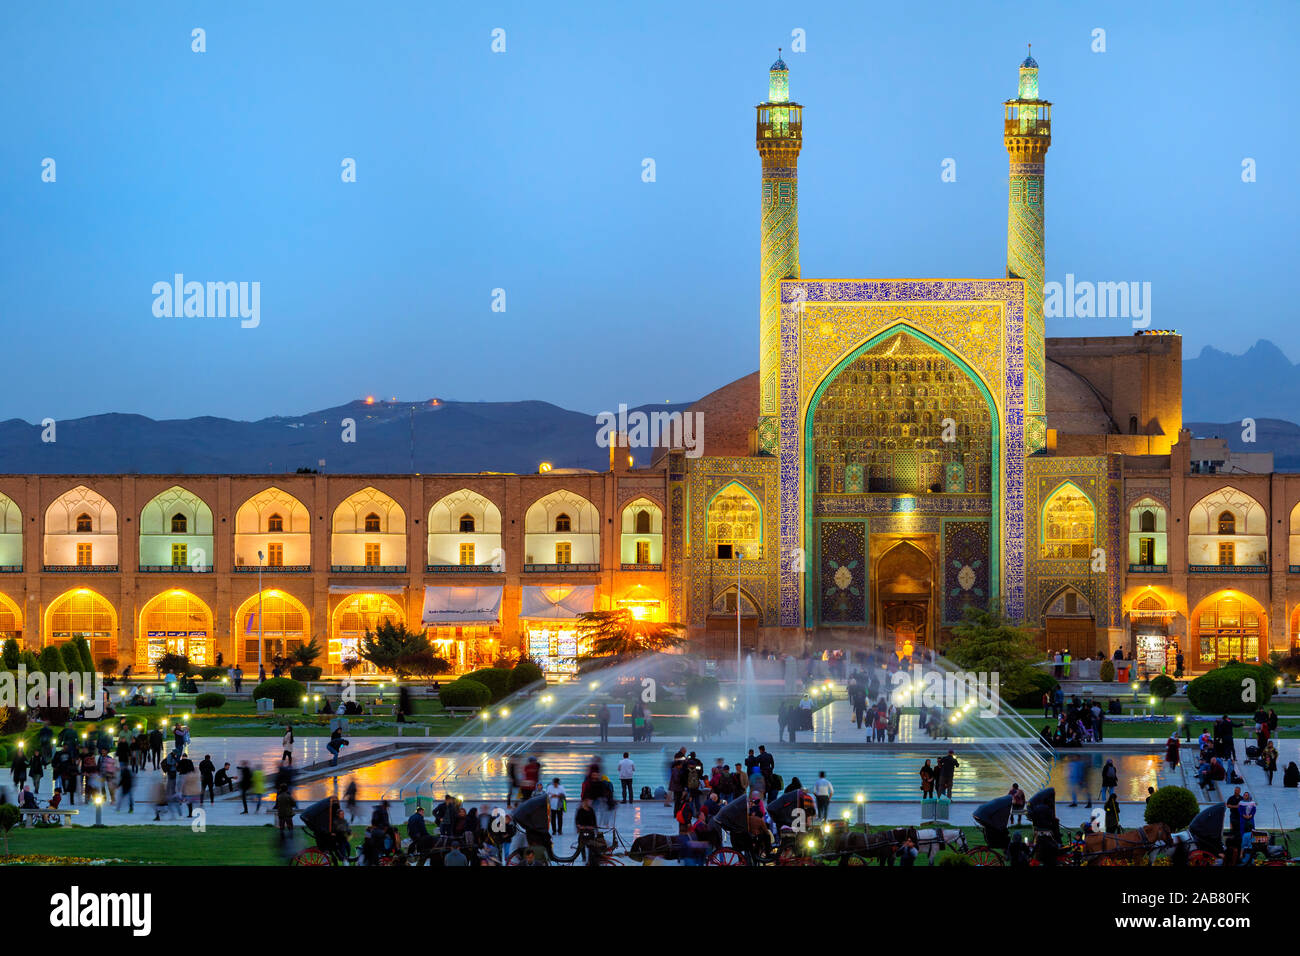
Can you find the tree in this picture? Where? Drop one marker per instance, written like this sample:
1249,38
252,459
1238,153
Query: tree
177,664
620,634
9,818
389,643
986,642
71,655
306,654
51,661
11,654
87,659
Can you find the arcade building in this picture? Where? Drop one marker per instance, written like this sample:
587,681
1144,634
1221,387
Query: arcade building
907,447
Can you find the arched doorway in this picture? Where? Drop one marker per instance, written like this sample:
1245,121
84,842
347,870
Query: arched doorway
1228,625
83,613
283,625
904,585
355,615
176,622
11,620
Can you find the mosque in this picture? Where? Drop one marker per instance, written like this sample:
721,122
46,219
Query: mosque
906,449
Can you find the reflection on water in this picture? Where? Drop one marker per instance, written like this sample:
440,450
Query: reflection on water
894,776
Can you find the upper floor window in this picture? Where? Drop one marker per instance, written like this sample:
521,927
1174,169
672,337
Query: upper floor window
467,524
643,522
84,552
1148,521
275,524
562,522
83,523
372,523
1227,523
372,555
275,555
563,552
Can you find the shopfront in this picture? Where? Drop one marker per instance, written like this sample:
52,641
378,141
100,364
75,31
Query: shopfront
1154,651
464,625
548,617
360,609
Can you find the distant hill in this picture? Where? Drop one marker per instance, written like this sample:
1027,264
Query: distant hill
429,438
437,435
1261,383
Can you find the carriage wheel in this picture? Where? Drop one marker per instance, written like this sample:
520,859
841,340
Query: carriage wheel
389,861
1109,861
609,860
726,857
855,859
985,856
1202,858
789,856
312,856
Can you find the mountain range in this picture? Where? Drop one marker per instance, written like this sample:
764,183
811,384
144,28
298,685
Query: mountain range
442,435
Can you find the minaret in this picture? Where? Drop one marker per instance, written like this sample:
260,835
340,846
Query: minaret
780,136
1027,132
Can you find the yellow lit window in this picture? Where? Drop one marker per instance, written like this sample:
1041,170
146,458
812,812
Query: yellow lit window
467,554
1227,553
84,555
372,556
643,552
563,552
180,555
275,555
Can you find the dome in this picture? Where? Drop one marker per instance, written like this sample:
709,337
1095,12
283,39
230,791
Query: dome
1029,64
779,65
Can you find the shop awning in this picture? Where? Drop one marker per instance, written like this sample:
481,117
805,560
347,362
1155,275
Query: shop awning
557,603
469,605
367,588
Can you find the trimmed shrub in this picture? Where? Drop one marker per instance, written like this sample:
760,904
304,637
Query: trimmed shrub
108,666
465,693
1163,686
1175,806
953,858
12,720
209,700
71,655
87,659
1107,670
1221,690
11,654
523,674
285,691
1041,683
51,661
1287,664
212,673
4,755
305,672
495,679
29,660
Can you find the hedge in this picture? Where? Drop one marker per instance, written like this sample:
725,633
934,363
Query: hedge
1163,686
285,691
465,693
1175,806
305,672
1224,690
495,679
523,674
210,700
1107,670
1042,683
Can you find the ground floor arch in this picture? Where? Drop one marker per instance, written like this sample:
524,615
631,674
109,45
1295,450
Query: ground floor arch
175,622
11,620
279,618
1228,625
82,612
352,618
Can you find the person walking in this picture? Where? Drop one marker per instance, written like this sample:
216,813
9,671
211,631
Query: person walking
1172,748
36,770
604,722
927,780
155,747
125,788
626,771
336,744
207,775
287,742
555,800
18,770
1017,802
823,791
1268,761
245,783
1109,781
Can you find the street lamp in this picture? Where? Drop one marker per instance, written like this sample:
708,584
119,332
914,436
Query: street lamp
260,665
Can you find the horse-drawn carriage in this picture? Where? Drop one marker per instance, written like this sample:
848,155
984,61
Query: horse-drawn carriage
1203,844
1047,848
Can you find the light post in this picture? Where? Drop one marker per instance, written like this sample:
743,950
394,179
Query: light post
259,614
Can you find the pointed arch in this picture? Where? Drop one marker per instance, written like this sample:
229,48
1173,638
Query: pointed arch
733,522
369,532
285,625
1227,528
176,531
1067,524
284,542
641,537
82,612
67,545
464,530
175,621
11,619
545,544
11,534
352,618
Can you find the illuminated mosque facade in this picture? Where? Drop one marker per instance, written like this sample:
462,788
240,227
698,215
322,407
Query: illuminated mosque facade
906,449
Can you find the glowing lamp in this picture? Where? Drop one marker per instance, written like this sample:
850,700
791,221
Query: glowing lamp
695,711
861,798
505,711
722,703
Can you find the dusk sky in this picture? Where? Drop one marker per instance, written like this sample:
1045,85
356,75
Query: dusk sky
522,171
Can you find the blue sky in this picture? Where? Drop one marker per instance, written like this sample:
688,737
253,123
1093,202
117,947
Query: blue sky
522,171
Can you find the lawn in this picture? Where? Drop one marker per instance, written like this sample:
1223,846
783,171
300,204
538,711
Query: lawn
169,845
